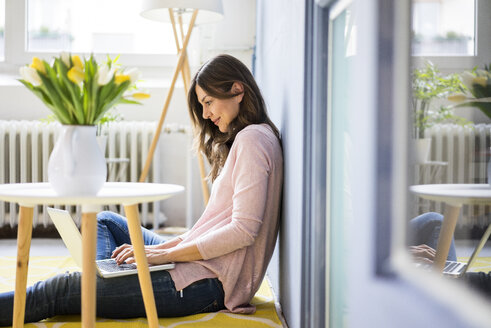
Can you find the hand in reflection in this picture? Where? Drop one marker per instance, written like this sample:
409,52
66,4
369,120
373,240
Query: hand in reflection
423,253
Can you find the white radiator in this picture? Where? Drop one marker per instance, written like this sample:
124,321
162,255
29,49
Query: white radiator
26,146
459,154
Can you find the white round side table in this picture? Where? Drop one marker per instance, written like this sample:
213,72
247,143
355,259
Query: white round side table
129,194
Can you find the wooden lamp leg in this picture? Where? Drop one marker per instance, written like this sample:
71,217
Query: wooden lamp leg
24,235
178,47
178,68
186,71
186,76
183,68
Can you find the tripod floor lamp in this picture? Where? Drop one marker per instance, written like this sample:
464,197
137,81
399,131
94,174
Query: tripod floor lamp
180,10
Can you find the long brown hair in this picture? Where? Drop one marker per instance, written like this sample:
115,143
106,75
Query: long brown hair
216,78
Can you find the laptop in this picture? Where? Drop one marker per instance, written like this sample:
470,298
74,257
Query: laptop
458,269
72,238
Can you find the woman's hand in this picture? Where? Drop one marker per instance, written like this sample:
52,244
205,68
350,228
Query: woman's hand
423,253
157,254
154,253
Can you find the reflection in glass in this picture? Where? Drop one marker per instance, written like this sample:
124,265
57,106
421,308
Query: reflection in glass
443,28
451,197
100,26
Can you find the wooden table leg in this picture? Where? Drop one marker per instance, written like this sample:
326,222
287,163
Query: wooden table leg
89,240
450,218
131,212
23,245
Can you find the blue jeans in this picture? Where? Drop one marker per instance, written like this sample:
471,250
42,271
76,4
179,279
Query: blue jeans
116,297
112,231
425,229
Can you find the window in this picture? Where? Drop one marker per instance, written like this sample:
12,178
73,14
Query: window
102,27
443,28
99,26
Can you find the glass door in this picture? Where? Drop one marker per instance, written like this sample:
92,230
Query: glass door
341,51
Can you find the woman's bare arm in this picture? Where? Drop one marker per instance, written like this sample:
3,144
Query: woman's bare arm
170,243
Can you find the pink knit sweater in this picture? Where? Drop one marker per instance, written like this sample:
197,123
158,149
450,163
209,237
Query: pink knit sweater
236,233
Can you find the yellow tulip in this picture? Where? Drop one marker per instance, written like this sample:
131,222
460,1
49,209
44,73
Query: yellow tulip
38,65
458,97
140,95
481,80
77,62
76,74
120,78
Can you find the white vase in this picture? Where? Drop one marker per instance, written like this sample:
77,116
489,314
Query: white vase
102,141
77,166
422,150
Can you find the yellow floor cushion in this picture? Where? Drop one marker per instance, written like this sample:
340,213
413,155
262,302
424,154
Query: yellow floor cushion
43,267
481,264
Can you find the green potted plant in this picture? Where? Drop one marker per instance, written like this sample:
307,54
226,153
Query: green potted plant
79,93
478,90
478,95
429,85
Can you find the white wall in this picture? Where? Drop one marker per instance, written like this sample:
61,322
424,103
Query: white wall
280,75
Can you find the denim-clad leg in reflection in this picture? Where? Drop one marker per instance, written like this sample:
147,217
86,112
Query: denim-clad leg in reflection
425,229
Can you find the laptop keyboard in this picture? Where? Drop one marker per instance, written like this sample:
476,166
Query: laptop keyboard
450,266
110,265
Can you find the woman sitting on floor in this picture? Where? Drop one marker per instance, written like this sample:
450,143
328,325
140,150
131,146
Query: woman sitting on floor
222,260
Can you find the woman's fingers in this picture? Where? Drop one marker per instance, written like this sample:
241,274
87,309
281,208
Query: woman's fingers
130,260
125,253
422,246
423,251
119,249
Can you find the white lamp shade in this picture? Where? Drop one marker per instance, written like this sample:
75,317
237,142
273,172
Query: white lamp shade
158,10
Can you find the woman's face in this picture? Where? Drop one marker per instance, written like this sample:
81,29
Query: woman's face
220,111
